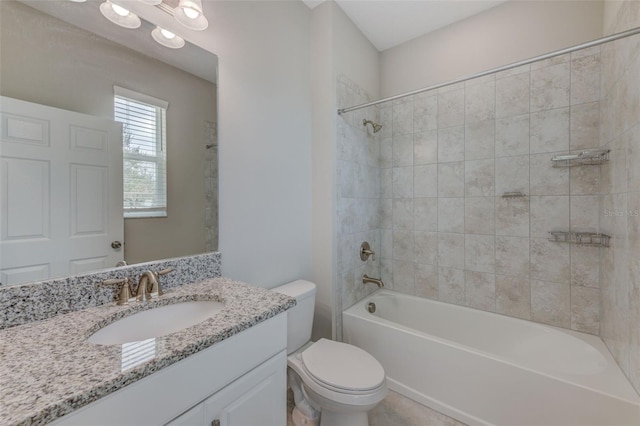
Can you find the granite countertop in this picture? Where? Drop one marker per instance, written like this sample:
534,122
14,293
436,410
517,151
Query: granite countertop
48,368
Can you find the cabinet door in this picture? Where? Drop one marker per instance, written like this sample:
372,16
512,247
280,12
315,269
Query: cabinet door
193,417
257,398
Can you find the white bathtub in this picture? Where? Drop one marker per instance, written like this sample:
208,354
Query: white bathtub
488,369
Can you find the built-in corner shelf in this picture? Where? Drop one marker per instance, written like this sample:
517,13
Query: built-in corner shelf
590,157
590,239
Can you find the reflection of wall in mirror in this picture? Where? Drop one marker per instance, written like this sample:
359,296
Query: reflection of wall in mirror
50,62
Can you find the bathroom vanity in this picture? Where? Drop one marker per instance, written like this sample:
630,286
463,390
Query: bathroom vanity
227,370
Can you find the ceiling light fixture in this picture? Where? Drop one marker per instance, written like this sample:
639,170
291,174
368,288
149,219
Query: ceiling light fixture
167,38
151,2
189,13
119,15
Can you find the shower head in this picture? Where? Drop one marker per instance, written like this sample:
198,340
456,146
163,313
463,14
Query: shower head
376,127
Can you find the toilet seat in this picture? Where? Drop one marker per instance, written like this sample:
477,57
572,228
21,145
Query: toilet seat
342,368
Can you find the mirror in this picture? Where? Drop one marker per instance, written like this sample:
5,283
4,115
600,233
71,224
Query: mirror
66,55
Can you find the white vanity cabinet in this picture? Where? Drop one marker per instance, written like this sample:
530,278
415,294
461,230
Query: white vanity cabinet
254,399
240,381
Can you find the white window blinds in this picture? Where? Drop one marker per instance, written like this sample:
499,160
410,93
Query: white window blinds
143,121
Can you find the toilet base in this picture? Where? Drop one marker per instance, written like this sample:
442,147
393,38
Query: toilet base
331,418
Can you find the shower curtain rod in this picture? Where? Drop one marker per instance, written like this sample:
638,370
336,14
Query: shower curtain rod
591,43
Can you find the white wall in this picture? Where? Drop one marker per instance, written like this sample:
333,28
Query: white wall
264,116
337,47
323,128
513,31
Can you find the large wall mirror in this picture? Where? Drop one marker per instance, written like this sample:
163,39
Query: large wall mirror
64,60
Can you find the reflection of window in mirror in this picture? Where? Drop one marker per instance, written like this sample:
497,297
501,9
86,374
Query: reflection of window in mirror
143,121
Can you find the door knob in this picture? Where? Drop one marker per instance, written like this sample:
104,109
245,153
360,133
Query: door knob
116,244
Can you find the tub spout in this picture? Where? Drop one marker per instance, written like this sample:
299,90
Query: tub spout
376,281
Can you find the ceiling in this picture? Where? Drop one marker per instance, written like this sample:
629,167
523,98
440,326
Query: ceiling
388,23
190,58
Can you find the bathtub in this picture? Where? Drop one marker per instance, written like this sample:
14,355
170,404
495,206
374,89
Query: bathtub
488,369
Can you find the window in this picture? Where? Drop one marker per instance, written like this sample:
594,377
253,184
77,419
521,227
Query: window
144,164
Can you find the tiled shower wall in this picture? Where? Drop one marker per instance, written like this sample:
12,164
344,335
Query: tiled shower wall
620,191
210,186
446,159
358,198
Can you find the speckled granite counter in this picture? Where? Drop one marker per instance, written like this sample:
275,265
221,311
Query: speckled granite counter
48,368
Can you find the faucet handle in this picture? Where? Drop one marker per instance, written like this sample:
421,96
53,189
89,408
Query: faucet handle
164,271
365,252
156,288
125,295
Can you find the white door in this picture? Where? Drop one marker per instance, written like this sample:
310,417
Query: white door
60,192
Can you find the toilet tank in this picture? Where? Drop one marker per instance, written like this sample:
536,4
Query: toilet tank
300,317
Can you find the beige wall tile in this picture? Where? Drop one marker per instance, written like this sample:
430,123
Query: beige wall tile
402,148
550,261
480,102
550,131
550,87
426,214
451,144
425,181
479,215
451,215
425,114
426,247
479,253
512,95
479,178
451,179
451,108
585,309
546,179
451,250
550,303
425,147
513,296
512,216
451,285
426,281
512,256
512,136
479,140
480,290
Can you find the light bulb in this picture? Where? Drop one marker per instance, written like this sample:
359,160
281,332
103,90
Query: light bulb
168,34
191,13
119,10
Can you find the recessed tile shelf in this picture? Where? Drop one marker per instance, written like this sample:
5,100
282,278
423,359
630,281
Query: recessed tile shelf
591,239
590,157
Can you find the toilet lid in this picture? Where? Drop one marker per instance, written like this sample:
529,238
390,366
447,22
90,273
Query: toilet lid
342,366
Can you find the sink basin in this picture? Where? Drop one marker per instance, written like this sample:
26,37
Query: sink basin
156,322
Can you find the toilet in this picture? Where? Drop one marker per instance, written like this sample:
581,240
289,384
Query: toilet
341,381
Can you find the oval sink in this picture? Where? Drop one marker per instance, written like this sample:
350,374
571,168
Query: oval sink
156,322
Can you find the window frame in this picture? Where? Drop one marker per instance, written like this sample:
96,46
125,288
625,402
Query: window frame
159,159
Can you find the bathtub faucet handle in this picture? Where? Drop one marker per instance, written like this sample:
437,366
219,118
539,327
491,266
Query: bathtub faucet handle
365,252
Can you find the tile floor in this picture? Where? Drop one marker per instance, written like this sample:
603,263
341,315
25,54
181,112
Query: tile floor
396,410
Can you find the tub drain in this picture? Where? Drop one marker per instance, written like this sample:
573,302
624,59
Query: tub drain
371,307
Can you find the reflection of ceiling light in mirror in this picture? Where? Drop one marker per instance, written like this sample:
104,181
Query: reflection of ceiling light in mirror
78,1
151,2
167,38
119,15
189,13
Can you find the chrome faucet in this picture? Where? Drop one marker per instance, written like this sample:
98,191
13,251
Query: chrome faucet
152,279
367,279
143,292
